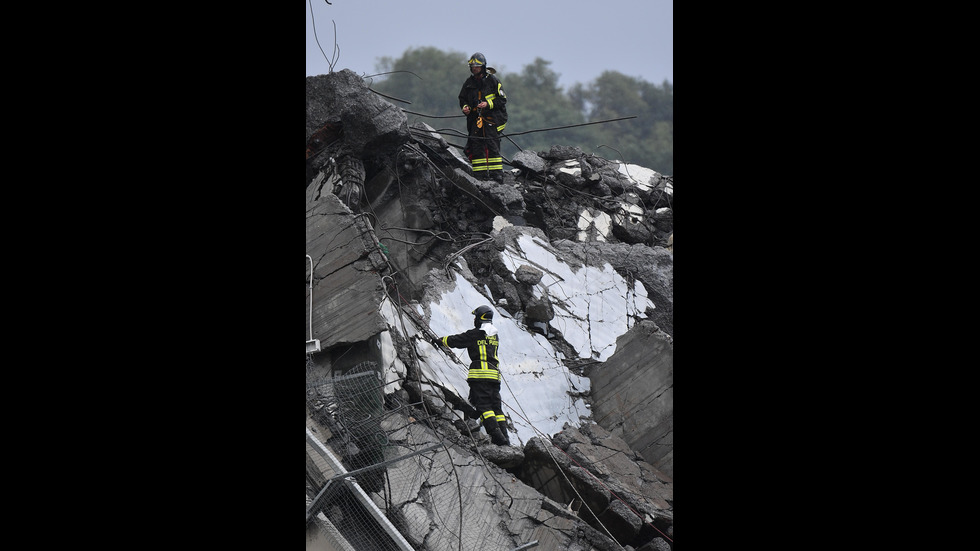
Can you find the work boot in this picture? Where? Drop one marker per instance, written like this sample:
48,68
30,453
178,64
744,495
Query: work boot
493,431
498,438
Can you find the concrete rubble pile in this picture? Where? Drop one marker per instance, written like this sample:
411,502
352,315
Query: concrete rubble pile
606,484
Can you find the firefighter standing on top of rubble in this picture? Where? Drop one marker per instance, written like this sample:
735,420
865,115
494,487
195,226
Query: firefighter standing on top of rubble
484,103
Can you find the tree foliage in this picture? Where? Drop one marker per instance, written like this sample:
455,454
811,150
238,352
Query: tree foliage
536,102
430,79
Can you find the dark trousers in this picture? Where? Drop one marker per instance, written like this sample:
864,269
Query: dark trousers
483,150
485,397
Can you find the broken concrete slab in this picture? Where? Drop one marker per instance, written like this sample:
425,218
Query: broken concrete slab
347,290
371,125
634,397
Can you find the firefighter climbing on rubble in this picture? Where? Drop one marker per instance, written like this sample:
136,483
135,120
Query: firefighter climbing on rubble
484,377
484,103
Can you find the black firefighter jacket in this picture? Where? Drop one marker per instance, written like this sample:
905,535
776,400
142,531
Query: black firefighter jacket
487,89
481,345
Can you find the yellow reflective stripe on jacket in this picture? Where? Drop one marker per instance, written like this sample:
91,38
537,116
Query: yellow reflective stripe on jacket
484,373
492,97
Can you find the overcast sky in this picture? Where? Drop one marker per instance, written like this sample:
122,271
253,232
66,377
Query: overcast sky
581,38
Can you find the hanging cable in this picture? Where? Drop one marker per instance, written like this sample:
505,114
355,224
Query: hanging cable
336,48
311,296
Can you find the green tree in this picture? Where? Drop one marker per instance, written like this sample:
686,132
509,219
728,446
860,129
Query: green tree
534,102
646,140
430,79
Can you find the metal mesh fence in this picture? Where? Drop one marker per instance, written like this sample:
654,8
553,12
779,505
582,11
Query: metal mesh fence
353,466
388,475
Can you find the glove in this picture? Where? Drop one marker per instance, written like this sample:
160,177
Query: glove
436,341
